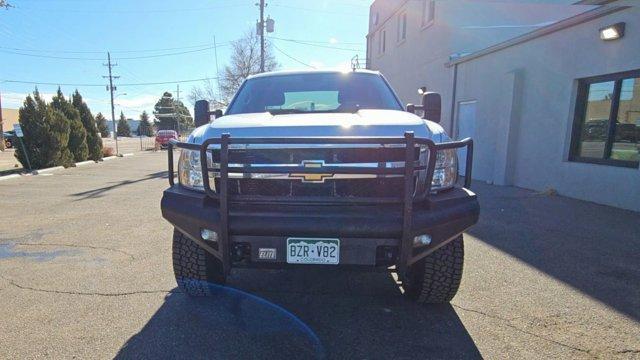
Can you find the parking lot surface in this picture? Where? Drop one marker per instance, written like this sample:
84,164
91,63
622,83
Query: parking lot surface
85,271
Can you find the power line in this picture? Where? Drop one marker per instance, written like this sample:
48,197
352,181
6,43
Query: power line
145,11
318,41
292,58
318,10
113,51
315,45
88,85
119,58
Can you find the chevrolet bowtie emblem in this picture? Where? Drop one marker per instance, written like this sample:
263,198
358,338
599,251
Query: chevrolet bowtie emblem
316,178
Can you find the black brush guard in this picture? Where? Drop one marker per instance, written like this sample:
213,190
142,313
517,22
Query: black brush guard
411,166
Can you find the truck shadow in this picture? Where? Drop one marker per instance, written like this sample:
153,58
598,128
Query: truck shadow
102,191
302,313
593,248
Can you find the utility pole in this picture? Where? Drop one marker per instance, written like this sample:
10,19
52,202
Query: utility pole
261,25
111,88
215,52
175,110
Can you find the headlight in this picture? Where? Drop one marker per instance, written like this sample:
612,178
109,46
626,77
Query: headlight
445,174
190,170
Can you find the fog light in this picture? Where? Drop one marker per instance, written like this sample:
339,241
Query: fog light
209,235
422,240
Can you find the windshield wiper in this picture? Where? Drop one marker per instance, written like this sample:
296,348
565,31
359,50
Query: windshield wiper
286,111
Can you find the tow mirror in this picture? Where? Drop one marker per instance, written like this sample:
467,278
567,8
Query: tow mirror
201,113
431,104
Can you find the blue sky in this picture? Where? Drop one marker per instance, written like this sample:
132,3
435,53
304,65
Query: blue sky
65,42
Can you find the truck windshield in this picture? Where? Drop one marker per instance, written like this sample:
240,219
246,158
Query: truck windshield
314,93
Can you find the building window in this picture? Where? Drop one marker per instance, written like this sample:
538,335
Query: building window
382,42
607,120
428,12
402,27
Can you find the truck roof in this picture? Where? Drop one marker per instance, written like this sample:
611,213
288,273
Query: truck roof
299,72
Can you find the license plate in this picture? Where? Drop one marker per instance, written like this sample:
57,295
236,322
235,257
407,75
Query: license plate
313,251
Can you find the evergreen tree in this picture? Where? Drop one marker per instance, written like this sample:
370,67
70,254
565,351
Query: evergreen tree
123,126
46,134
94,142
144,129
77,134
169,111
101,124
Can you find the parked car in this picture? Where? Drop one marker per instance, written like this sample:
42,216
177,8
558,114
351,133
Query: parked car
8,138
164,136
321,168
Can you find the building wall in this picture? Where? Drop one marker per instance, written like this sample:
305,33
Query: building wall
526,97
9,117
457,27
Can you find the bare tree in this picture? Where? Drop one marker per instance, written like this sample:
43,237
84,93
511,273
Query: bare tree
245,61
5,4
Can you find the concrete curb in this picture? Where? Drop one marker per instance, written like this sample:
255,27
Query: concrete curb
83,163
127,154
12,176
51,169
109,158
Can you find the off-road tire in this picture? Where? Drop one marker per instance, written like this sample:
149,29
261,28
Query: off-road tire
436,278
197,272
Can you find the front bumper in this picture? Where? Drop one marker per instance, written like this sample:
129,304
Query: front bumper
373,231
370,234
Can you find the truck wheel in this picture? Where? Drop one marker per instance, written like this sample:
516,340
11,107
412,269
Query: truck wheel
436,278
198,273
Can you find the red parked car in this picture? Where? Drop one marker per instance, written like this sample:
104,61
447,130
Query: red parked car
164,136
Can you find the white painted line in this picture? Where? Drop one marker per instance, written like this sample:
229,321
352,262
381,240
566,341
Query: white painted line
127,154
88,162
55,168
7,177
109,158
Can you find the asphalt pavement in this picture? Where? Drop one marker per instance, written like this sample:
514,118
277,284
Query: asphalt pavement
85,272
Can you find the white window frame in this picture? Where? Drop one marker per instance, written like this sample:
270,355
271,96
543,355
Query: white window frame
401,35
382,42
428,13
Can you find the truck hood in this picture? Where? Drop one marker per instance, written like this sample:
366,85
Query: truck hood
373,123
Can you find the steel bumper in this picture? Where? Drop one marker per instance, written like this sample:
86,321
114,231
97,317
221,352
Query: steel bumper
370,234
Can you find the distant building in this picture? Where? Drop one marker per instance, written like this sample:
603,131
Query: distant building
9,117
550,96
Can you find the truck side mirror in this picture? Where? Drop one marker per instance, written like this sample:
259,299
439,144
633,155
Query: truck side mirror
217,113
201,113
411,108
431,104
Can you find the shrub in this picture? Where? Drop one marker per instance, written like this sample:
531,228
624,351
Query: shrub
101,124
123,126
77,134
46,134
94,142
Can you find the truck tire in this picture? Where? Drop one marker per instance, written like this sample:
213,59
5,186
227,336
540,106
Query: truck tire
436,278
197,272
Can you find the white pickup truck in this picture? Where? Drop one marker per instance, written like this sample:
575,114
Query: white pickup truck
321,168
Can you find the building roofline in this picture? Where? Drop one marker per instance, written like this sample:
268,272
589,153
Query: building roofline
549,29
